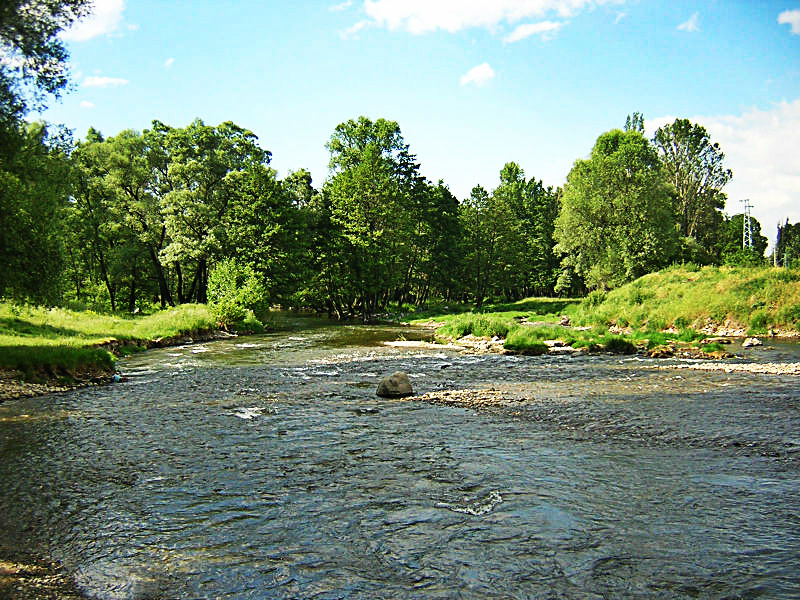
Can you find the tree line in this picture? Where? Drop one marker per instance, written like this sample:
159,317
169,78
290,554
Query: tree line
141,218
174,215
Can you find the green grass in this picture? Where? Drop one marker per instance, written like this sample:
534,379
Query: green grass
57,340
754,298
660,308
480,325
528,340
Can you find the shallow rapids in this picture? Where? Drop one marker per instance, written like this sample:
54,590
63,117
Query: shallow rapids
266,467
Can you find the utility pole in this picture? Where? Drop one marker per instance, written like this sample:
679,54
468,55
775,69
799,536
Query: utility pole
747,231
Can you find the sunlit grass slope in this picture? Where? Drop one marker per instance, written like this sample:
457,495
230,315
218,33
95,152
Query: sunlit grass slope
33,338
756,299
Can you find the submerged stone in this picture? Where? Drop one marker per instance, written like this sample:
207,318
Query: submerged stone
395,385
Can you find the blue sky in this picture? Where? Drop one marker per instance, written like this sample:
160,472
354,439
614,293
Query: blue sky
473,84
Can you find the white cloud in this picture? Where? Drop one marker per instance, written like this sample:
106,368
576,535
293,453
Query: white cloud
105,18
86,104
343,6
169,62
104,82
790,17
546,29
762,148
693,24
619,18
422,16
353,31
479,75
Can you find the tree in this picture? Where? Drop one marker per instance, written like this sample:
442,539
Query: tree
787,247
200,170
484,221
34,60
117,217
34,188
528,239
730,242
694,167
370,199
635,122
34,173
616,222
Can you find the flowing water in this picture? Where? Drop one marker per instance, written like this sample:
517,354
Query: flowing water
266,467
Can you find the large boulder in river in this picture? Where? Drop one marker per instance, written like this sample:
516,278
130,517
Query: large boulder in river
751,342
395,385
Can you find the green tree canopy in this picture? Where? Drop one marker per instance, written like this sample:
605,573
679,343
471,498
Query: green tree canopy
730,241
694,167
33,60
34,188
616,221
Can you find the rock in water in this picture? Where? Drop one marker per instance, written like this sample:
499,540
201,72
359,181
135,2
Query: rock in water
395,385
750,342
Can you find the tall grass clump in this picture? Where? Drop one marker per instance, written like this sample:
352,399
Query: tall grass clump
479,325
528,340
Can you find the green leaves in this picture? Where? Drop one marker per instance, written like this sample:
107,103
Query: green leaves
234,289
34,189
616,221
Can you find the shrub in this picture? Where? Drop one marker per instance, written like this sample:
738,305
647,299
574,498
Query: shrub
758,321
233,290
619,345
713,347
595,298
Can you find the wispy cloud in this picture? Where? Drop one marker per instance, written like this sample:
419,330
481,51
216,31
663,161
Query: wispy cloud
545,29
353,31
423,16
791,18
169,62
479,75
105,19
619,18
104,82
87,104
342,6
693,24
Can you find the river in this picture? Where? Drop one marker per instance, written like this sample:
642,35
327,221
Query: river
266,467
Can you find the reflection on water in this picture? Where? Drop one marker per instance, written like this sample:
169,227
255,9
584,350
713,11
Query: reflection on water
265,467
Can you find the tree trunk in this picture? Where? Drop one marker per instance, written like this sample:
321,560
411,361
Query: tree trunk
179,273
132,294
163,288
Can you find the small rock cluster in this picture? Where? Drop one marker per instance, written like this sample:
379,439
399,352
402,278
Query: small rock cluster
468,398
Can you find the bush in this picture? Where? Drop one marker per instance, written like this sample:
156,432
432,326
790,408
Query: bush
758,321
595,298
713,347
618,345
233,290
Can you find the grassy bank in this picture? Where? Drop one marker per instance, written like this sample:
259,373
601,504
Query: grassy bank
47,344
679,305
754,300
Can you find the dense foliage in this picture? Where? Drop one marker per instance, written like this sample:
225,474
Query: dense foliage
175,215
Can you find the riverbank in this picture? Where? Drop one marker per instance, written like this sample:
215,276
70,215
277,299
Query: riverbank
686,312
46,350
